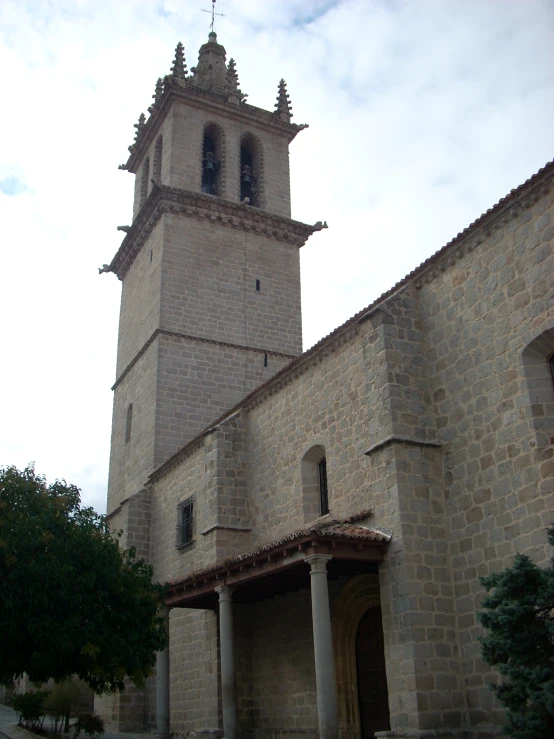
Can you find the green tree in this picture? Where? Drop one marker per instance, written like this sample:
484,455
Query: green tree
72,601
519,618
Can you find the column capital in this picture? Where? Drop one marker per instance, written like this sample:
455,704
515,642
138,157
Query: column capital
225,592
318,562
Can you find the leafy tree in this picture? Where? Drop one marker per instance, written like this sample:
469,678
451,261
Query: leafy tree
72,602
519,618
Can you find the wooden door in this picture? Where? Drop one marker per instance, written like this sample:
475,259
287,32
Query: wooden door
372,679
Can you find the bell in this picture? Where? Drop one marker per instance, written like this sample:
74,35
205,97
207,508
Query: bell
209,161
246,176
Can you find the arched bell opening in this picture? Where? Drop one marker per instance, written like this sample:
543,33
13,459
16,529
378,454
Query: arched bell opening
250,171
212,147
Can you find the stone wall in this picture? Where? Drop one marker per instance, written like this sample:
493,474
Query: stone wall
436,413
139,313
132,461
209,286
480,317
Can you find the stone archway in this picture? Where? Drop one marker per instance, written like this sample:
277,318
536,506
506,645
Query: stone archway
358,595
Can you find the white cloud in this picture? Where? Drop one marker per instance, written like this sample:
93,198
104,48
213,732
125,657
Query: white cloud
422,114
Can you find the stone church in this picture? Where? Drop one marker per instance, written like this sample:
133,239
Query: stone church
322,518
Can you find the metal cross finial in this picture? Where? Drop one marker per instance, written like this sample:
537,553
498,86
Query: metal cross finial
212,11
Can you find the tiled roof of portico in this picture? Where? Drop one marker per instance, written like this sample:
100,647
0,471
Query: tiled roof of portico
346,541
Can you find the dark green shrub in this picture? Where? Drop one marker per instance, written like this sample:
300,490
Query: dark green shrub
59,704
518,617
30,708
90,724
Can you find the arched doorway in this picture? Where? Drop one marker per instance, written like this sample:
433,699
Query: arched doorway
358,597
372,679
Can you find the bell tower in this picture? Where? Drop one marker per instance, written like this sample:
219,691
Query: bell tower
210,304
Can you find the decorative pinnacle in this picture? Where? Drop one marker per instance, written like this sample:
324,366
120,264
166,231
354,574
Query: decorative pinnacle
179,68
140,125
283,107
157,96
158,92
232,83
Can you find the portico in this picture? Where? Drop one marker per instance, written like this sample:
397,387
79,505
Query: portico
307,558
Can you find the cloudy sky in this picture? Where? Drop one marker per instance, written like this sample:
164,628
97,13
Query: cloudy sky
422,113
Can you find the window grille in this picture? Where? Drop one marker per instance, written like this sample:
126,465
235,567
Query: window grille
323,490
185,523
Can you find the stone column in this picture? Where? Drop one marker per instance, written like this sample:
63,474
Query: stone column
162,687
226,645
323,648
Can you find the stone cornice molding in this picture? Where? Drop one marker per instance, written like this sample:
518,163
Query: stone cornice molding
394,439
211,102
190,337
164,199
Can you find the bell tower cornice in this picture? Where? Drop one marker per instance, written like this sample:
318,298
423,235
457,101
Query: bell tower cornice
164,199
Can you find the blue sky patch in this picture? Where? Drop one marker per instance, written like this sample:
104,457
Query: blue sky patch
12,186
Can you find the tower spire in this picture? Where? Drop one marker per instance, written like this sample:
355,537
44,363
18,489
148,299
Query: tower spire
283,107
179,67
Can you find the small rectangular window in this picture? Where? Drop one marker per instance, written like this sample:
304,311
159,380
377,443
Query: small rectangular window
258,285
323,491
185,523
265,360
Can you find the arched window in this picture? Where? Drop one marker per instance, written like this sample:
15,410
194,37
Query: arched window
315,489
250,170
129,423
158,158
323,490
144,180
538,367
212,151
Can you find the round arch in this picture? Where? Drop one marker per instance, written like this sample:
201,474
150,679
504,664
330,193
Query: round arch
253,146
356,597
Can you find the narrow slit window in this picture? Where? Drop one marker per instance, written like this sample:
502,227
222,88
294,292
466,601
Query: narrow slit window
323,489
185,523
258,285
265,360
129,423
